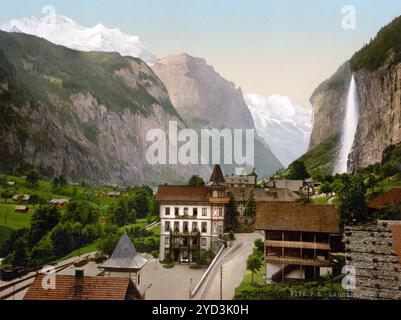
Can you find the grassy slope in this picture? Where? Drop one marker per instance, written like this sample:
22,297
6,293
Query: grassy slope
321,159
16,221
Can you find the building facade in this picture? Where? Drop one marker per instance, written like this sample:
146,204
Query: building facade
299,239
192,219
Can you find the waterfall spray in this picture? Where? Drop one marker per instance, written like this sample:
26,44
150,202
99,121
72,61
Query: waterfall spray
349,128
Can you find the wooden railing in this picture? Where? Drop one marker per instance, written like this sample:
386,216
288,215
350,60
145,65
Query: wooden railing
298,261
297,245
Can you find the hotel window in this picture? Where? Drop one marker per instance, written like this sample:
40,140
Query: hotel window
194,226
195,212
176,226
167,240
185,211
167,226
204,212
204,227
176,211
203,242
220,210
167,211
185,227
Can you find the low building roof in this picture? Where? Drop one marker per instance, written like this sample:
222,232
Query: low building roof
182,193
59,201
385,199
293,185
94,288
261,195
20,208
125,258
248,180
293,216
373,251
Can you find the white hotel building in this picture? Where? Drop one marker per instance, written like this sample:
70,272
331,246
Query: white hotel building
192,218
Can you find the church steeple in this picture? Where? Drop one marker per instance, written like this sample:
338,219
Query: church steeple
217,177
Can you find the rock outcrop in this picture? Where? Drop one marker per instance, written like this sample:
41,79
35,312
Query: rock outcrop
206,100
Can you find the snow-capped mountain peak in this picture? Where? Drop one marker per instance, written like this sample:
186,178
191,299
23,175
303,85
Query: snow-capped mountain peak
65,31
283,123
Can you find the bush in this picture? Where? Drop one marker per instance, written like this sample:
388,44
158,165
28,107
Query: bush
168,265
232,235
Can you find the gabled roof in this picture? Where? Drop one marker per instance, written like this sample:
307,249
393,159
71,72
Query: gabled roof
385,199
217,177
182,193
94,288
293,216
125,258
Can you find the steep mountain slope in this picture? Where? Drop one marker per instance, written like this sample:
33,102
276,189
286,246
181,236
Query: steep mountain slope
206,100
65,31
377,72
283,124
84,115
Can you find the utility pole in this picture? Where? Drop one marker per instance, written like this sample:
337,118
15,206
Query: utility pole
221,282
190,289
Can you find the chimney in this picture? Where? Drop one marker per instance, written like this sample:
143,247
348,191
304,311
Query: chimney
79,279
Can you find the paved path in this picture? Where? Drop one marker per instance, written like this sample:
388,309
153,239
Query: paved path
233,268
168,284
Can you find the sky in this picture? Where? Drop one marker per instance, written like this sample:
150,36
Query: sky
266,47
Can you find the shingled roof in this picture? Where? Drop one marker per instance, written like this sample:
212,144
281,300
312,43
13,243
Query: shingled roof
93,288
125,258
385,199
374,251
293,216
182,193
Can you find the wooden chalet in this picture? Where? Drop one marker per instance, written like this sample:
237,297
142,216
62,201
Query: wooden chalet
299,239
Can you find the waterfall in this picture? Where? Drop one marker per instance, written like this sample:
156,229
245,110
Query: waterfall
349,128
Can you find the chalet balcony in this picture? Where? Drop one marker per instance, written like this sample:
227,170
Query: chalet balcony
298,261
297,245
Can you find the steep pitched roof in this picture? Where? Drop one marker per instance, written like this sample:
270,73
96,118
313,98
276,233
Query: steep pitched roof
217,177
293,185
94,288
385,199
125,258
182,193
293,216
372,251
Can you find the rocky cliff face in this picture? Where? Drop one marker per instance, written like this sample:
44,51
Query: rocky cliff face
328,102
84,115
377,72
379,126
199,92
380,114
206,100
